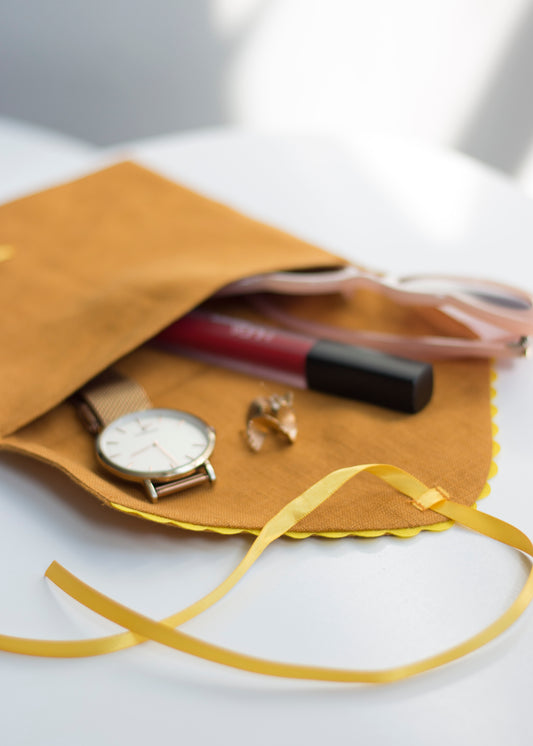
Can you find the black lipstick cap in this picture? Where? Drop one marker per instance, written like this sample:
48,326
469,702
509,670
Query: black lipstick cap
369,375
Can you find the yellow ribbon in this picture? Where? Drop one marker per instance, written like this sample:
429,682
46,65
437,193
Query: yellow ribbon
6,252
141,628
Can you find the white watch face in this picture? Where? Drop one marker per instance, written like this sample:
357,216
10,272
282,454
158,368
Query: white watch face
155,444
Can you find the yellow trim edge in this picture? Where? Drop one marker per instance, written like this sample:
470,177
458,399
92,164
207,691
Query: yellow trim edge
226,531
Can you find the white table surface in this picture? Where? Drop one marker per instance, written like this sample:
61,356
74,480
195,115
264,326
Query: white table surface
356,603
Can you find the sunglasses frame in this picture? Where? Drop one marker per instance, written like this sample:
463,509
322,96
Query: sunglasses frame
500,330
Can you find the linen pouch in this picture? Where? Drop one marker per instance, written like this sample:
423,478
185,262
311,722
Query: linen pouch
102,264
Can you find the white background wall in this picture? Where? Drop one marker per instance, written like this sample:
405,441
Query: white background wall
451,72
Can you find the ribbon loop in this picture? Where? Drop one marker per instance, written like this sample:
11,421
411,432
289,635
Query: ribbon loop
430,498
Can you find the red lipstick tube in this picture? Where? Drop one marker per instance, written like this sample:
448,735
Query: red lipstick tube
301,361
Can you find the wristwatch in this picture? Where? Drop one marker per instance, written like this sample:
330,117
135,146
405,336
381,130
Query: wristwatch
166,450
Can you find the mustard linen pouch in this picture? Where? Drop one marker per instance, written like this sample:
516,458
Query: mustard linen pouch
102,264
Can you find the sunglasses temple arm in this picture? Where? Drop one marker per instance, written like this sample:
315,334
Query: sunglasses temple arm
422,347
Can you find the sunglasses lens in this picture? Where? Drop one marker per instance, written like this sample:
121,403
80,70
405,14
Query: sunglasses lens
488,293
504,301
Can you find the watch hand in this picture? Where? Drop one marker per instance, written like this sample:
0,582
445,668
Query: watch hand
141,450
166,453
145,426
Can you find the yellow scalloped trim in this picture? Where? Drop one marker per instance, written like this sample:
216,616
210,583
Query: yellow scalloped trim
403,533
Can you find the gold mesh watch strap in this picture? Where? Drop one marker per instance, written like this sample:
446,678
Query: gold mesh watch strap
109,396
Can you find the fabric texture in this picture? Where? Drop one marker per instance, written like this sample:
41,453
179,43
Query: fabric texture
102,264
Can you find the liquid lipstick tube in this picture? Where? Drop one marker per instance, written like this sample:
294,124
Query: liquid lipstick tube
301,361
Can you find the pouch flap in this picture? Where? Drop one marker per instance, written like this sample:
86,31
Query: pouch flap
102,264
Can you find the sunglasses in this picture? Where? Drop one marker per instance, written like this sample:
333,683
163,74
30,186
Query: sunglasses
499,316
